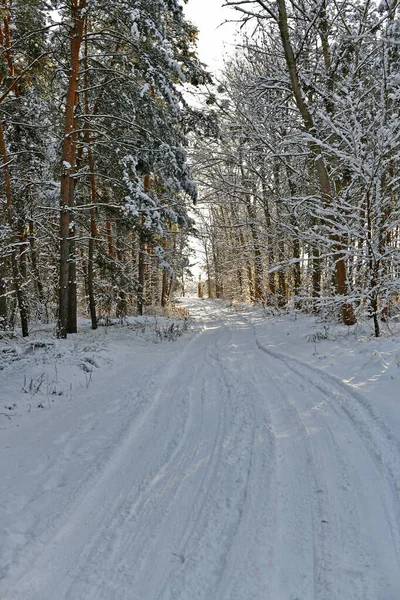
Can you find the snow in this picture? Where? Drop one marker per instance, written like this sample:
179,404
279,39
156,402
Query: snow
254,457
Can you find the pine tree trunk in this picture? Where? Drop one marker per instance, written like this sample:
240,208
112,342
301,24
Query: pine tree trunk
141,267
21,298
62,328
156,289
164,288
15,268
141,260
111,250
122,307
6,43
90,283
68,160
170,286
72,285
164,291
23,248
3,298
93,225
35,270
72,269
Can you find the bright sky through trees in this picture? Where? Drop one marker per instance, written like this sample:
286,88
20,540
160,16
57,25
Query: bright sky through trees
215,39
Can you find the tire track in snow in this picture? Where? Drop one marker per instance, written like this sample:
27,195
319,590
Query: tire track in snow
295,571
369,501
228,544
218,489
193,521
54,562
250,554
368,425
206,540
162,518
45,532
309,529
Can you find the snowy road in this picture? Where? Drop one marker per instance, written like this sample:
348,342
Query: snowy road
237,474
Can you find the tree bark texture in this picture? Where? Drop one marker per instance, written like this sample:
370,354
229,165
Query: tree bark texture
92,176
68,160
15,267
322,172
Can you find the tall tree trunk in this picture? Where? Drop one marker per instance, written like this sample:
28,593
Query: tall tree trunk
110,243
15,267
217,269
270,242
93,225
90,283
248,269
68,160
141,268
7,58
208,269
322,172
141,260
282,277
3,297
72,269
296,271
164,289
35,270
122,306
282,291
72,283
258,266
234,249
373,264
316,273
234,242
296,248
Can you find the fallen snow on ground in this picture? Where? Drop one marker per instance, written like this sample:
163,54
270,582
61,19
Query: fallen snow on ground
255,457
39,371
352,354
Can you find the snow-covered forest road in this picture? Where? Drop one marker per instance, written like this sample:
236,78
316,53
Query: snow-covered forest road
221,470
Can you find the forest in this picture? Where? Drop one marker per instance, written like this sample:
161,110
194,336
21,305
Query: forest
95,182
288,162
199,300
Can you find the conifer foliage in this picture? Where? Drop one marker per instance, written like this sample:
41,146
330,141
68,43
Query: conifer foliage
95,183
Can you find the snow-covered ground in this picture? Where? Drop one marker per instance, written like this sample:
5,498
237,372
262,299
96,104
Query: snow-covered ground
253,458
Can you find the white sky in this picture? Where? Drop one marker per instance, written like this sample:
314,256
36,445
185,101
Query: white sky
214,41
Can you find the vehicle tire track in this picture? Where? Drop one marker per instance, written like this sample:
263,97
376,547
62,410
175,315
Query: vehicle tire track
373,461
